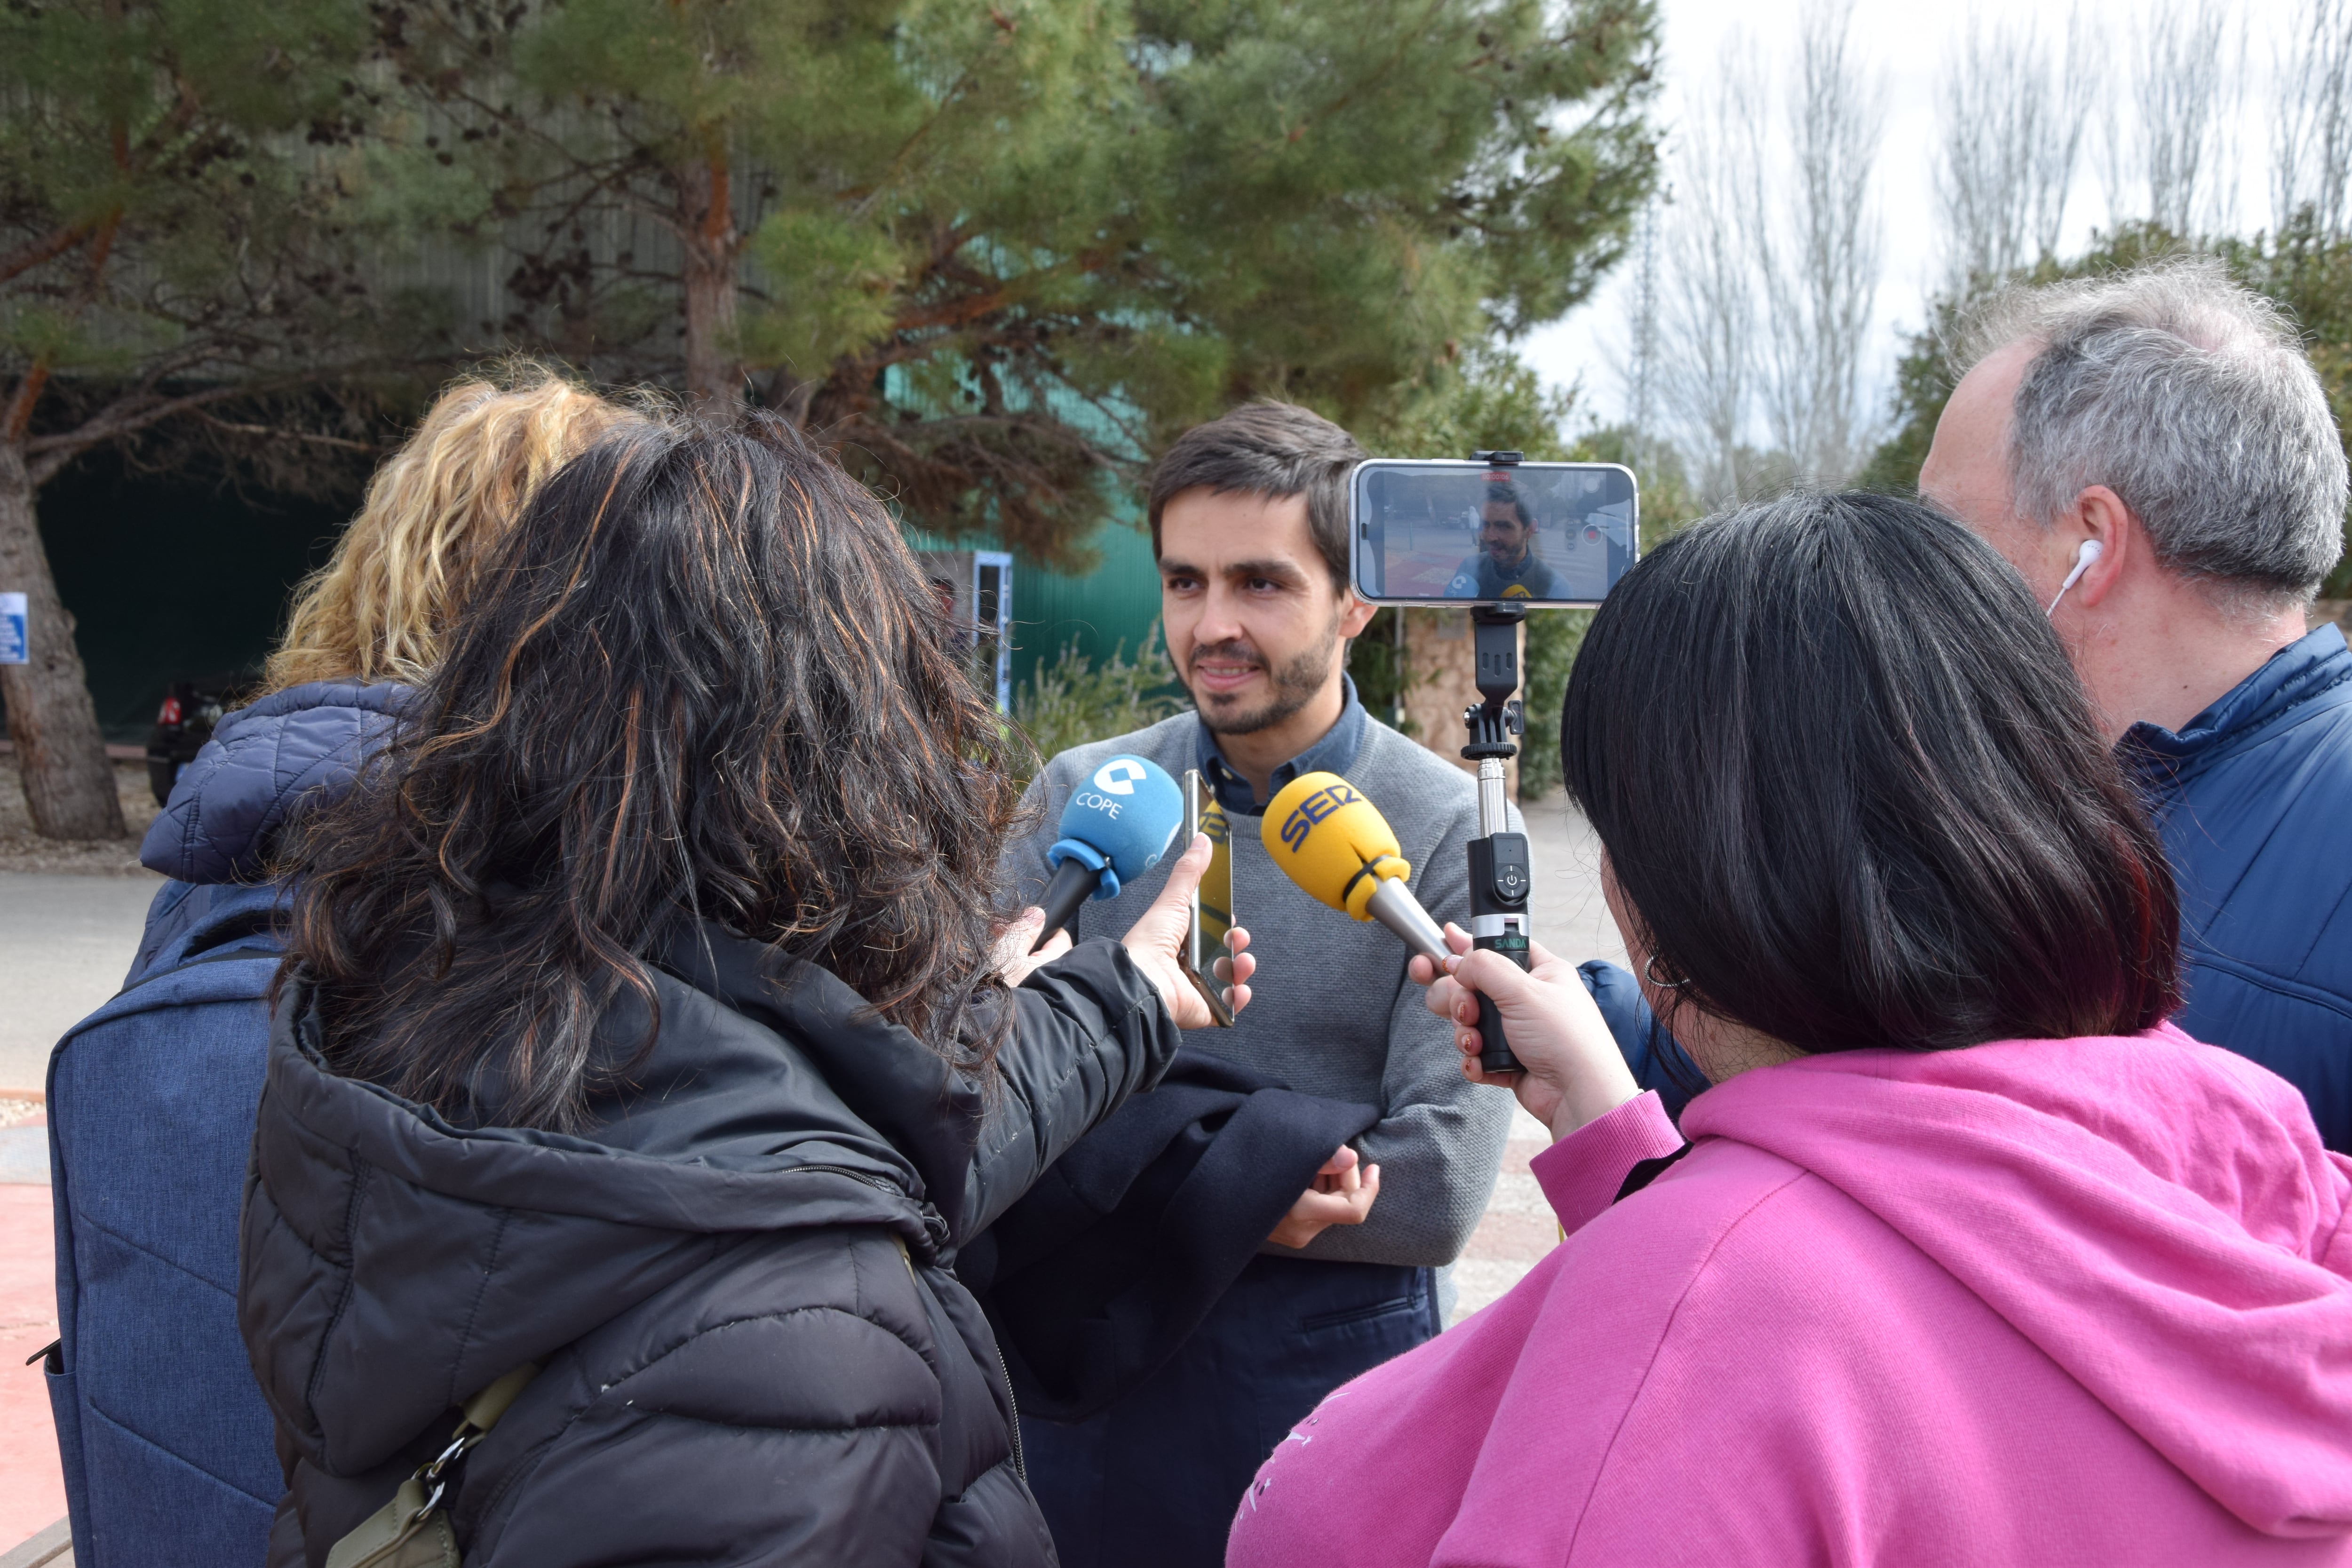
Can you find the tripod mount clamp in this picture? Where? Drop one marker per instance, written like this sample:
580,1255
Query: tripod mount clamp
1498,717
1495,627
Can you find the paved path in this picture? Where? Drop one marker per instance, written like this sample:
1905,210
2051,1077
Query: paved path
1569,915
32,1486
65,943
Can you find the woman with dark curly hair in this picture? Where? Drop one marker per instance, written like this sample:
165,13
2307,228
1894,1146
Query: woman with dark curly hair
641,1047
1970,1258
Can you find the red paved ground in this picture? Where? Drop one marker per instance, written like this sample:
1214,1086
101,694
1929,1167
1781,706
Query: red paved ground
32,1488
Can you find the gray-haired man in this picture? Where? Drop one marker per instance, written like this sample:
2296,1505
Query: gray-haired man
2153,452
1249,524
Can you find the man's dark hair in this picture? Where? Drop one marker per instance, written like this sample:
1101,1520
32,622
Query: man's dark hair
1503,489
1271,449
1854,793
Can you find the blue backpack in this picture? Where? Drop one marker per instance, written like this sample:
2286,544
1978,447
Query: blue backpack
167,1447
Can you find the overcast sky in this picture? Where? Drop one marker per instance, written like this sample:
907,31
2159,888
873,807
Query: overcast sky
1907,41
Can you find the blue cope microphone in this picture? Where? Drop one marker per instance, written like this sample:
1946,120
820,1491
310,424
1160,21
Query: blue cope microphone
1119,824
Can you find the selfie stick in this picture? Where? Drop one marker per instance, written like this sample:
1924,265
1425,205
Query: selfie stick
1501,870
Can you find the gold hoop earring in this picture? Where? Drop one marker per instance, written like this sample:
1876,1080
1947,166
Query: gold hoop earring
1650,968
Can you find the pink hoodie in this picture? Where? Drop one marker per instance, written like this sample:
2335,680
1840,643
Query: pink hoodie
2042,1302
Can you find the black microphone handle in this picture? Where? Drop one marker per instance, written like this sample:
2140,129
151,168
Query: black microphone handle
1073,883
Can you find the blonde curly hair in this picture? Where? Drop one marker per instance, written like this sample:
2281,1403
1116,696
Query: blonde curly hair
380,606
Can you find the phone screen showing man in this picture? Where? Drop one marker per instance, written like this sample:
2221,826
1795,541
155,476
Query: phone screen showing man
1538,533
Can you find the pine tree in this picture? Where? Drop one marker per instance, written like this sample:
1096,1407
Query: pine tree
996,254
993,254
172,243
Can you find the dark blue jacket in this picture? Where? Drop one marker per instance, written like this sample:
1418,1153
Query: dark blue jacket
293,748
1656,1057
2254,799
1101,1271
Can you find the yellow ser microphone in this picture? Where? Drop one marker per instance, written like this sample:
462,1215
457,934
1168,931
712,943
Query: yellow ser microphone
1336,845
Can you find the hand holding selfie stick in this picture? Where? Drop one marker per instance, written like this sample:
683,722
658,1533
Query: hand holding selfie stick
1501,870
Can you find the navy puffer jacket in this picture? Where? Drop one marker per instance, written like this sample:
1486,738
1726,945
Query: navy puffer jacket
2254,799
292,750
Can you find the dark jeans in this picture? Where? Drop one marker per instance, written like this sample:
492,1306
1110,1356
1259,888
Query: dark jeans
1153,1481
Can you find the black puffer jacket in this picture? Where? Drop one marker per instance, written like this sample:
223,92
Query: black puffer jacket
738,1287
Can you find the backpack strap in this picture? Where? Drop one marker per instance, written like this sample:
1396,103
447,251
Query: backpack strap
237,928
411,1531
193,963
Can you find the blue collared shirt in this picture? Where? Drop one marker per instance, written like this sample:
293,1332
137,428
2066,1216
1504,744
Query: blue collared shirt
1334,753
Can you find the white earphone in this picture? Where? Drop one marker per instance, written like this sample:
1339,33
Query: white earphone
2084,558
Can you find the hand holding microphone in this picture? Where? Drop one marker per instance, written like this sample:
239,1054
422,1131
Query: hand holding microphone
1024,947
1117,825
1570,1069
1153,942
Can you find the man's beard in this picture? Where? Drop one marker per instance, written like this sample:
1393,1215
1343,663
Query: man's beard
1294,683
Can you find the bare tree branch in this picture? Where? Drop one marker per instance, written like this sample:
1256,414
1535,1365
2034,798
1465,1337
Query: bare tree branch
1823,286
1710,322
2167,161
142,410
2310,146
1773,263
285,433
47,247
2011,137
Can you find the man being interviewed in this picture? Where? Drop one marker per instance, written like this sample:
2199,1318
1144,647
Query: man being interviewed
1249,522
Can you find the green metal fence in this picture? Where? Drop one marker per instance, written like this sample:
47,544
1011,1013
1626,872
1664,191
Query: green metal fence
1112,606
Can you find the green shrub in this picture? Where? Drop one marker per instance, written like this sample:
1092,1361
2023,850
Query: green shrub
1070,701
1554,638
1382,674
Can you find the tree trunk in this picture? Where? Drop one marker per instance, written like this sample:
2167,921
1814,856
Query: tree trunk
61,756
714,375
1441,654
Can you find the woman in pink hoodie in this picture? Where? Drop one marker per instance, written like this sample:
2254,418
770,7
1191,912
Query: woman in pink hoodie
1969,1258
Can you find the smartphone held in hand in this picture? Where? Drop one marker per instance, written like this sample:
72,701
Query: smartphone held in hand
1213,900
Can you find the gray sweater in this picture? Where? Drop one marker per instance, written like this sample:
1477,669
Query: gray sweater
1333,1013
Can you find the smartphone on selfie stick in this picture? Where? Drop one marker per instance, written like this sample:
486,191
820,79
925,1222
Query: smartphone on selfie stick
1538,536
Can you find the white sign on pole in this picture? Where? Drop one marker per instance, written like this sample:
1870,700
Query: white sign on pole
15,647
